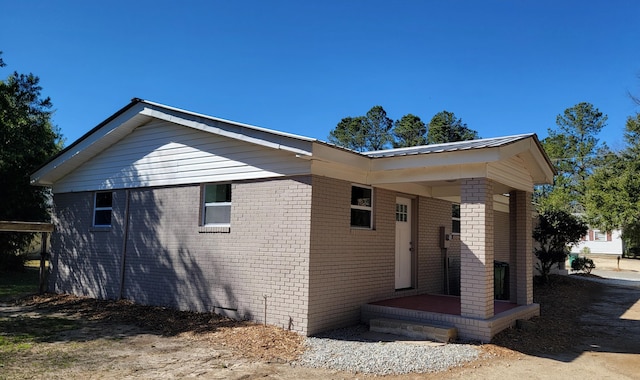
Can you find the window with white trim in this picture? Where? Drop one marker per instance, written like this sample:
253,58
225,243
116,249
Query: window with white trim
217,205
455,218
599,235
102,209
402,212
361,207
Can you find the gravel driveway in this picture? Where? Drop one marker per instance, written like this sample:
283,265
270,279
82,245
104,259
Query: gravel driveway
357,350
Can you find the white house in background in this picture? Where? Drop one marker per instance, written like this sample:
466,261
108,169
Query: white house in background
601,242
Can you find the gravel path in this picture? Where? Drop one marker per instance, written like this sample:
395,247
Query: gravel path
353,350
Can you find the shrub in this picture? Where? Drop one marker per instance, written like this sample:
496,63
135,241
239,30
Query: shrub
555,231
582,264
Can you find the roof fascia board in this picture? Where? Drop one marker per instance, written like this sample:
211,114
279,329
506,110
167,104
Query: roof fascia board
119,121
229,122
408,188
546,172
466,157
500,202
62,164
515,148
339,171
491,142
237,131
531,152
328,153
544,155
427,174
527,148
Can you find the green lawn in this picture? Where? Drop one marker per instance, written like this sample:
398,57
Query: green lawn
17,284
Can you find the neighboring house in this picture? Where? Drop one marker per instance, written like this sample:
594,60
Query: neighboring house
600,242
167,207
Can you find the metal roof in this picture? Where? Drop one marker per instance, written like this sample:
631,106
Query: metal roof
495,142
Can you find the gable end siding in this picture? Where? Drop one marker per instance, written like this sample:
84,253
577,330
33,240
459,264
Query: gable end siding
511,172
163,154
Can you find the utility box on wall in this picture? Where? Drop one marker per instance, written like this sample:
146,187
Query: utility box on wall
445,237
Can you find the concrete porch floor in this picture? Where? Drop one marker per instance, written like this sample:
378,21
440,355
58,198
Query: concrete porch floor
444,310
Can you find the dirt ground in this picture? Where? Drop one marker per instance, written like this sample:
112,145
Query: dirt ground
587,329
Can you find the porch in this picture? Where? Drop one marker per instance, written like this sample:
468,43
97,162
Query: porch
445,310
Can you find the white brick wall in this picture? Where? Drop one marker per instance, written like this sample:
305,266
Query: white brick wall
521,246
477,248
433,214
351,267
298,251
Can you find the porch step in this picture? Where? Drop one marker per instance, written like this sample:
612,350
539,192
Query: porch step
414,330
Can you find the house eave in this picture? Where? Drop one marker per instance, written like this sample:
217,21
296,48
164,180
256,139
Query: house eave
90,144
455,164
425,167
139,112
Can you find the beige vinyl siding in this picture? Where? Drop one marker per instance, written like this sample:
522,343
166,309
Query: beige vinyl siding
511,172
163,153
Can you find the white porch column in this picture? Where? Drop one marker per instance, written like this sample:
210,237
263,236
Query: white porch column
521,255
476,255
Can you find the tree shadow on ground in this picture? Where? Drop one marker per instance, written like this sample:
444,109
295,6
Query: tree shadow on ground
576,316
51,318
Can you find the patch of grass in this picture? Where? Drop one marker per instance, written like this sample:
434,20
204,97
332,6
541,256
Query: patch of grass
35,329
19,334
14,343
60,359
16,284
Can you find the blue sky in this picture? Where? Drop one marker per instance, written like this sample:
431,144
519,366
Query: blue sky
504,67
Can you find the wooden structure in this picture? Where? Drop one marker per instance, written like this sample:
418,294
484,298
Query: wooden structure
41,227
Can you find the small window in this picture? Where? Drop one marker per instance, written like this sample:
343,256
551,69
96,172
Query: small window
102,209
361,206
455,218
402,212
599,235
217,205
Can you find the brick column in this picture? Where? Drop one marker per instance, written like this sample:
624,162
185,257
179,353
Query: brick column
521,228
476,255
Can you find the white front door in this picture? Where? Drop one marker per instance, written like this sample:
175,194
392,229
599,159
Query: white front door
403,243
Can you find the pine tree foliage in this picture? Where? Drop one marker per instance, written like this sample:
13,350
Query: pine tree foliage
27,140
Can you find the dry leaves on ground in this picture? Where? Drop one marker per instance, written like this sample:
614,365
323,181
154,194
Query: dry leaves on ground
268,343
562,301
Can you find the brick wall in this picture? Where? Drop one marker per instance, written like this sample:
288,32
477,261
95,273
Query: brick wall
171,262
76,245
501,232
477,249
314,278
351,267
521,247
433,214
